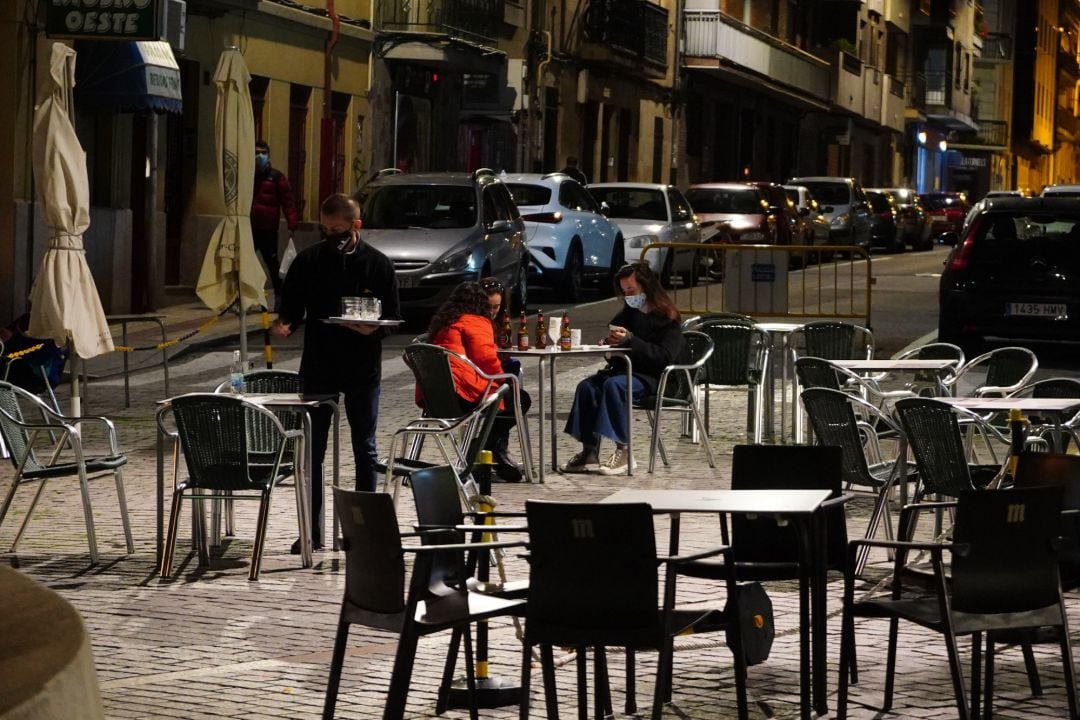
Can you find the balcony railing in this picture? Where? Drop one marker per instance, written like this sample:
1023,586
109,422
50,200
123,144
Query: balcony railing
472,20
716,35
932,89
634,27
997,47
991,133
896,86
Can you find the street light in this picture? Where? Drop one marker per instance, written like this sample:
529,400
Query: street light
922,137
943,146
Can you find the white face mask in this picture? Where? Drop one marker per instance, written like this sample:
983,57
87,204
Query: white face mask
635,301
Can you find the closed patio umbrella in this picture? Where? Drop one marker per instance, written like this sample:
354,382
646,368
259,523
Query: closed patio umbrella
64,300
230,267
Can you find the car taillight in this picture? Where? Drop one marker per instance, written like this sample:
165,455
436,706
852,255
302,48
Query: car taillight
962,255
544,217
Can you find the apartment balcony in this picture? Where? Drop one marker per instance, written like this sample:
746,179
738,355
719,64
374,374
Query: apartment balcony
626,31
474,21
1066,62
990,135
893,102
719,44
1067,125
996,48
898,14
935,95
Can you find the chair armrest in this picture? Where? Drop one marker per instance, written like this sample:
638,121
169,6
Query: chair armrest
676,560
492,528
933,547
462,546
841,500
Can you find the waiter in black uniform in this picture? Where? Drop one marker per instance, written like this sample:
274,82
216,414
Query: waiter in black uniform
345,359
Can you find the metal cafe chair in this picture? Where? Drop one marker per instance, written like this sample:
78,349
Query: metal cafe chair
377,595
445,414
739,359
1041,427
212,433
26,422
1003,579
675,391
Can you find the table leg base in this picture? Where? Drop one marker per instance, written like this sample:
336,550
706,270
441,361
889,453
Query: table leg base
491,692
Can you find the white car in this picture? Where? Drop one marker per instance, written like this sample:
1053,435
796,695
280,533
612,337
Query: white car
1068,191
650,213
570,241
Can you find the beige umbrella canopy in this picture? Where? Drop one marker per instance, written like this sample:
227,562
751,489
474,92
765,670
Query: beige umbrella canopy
65,302
230,266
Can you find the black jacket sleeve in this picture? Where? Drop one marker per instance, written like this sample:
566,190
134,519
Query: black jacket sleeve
653,352
391,303
294,292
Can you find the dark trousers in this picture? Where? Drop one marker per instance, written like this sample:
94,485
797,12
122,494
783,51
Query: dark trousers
505,421
600,408
362,410
266,243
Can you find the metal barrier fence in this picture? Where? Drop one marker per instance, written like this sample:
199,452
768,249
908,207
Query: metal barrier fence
777,281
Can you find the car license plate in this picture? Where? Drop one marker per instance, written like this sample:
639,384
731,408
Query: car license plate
405,281
939,218
1052,310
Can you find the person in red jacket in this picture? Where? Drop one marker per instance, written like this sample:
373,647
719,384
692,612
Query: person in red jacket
462,325
272,195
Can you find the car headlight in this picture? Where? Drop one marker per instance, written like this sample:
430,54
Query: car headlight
840,220
752,237
456,261
640,241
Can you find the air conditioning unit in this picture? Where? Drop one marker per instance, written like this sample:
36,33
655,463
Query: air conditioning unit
175,23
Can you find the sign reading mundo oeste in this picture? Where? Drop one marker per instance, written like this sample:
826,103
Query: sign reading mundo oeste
103,19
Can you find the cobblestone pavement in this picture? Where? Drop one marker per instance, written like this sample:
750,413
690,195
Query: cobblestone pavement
210,644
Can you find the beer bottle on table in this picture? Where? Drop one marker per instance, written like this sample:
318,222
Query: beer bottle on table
541,331
506,333
523,332
564,333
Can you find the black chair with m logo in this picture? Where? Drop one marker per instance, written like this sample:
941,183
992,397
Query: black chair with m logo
1004,580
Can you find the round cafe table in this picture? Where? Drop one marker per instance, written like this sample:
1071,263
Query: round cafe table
46,665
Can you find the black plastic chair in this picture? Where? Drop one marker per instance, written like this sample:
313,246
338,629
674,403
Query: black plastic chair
760,548
212,432
675,392
739,359
833,417
375,594
1004,579
1035,469
23,434
593,583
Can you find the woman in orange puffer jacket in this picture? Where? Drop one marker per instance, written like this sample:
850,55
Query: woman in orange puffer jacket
462,325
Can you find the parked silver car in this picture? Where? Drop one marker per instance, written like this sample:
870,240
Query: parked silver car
844,204
441,229
570,241
651,213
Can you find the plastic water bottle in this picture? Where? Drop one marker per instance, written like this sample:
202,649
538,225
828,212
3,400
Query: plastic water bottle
236,373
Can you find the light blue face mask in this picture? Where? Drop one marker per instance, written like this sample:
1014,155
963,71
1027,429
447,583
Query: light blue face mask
635,301
261,162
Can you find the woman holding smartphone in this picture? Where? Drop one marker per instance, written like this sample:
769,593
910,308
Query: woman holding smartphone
648,325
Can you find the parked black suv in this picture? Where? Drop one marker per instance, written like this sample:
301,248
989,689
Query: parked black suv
1015,274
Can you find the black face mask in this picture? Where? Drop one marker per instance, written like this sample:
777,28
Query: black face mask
341,238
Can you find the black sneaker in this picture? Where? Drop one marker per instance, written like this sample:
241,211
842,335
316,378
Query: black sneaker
507,472
585,461
295,549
